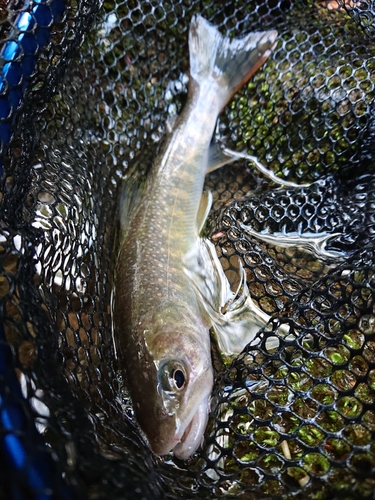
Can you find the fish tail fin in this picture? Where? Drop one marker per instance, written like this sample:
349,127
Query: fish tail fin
231,62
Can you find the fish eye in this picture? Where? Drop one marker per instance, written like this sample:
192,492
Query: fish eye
179,378
172,376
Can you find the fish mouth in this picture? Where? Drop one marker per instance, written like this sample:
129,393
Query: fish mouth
192,436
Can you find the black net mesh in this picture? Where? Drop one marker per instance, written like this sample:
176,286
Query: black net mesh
85,94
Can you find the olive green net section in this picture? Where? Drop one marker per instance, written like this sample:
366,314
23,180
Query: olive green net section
297,421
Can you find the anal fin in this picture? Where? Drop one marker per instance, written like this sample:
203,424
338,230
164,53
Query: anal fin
217,157
204,210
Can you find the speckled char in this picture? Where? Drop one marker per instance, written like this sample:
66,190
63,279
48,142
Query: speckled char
159,325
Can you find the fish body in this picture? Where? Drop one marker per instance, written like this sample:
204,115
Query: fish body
161,331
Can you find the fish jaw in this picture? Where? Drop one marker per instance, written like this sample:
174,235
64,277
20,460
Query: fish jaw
192,438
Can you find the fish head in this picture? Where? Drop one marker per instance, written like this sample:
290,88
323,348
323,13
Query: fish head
171,392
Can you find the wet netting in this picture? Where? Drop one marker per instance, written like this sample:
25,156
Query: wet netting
85,93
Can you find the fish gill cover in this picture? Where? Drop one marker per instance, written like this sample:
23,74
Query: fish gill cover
85,93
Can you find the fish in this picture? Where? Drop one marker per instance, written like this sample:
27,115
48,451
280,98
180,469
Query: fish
160,328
